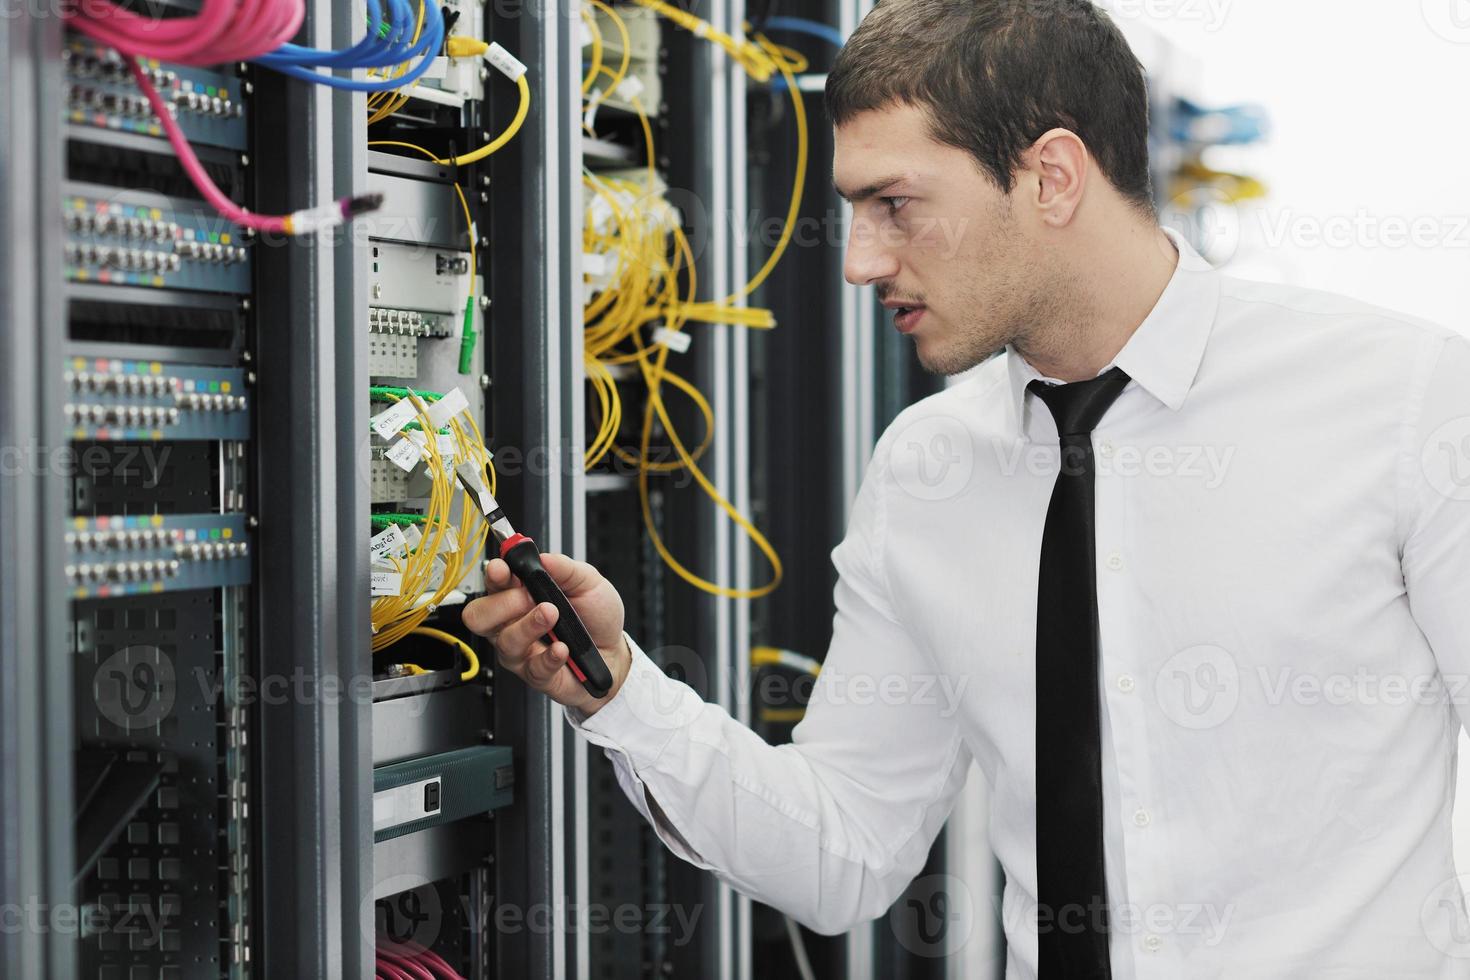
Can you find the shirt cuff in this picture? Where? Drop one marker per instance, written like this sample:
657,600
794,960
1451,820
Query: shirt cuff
644,716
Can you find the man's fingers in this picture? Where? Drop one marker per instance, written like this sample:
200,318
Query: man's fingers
574,577
544,664
497,575
490,614
519,639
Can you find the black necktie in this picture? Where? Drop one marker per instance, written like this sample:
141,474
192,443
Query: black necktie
1071,886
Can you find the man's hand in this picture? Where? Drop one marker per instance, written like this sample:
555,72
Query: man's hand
511,620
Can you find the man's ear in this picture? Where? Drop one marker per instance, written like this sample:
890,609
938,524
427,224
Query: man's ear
1058,167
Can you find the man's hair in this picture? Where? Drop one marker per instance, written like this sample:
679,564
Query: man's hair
995,75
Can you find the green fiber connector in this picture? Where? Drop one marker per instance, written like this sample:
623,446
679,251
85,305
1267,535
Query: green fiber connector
383,520
380,392
467,337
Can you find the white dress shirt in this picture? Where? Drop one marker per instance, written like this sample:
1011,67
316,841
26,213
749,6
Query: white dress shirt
1283,578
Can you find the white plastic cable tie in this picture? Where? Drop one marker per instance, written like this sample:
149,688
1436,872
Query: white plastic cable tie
589,118
629,88
675,340
389,422
404,454
446,408
508,64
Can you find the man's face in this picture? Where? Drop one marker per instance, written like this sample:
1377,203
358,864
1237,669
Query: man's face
938,239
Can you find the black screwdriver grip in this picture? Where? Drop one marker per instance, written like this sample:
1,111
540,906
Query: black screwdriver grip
524,559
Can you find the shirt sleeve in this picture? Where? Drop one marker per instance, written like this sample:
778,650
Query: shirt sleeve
1436,543
830,828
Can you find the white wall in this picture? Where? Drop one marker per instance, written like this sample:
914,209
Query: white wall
1371,144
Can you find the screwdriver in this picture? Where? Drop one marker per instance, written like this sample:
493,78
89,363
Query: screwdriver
524,559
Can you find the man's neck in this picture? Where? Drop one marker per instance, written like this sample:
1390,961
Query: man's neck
1118,286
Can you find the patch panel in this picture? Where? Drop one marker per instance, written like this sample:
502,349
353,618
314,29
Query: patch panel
137,238
110,398
209,105
108,557
393,339
643,80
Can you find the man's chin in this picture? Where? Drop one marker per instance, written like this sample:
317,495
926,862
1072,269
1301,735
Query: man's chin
946,361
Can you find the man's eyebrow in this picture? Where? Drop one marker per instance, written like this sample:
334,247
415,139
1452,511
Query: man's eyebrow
872,190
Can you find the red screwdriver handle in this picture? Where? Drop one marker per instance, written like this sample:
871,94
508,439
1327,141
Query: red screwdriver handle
586,662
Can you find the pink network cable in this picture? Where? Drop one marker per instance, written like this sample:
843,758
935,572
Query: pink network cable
222,31
404,955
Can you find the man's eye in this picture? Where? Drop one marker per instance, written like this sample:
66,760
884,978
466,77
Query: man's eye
893,204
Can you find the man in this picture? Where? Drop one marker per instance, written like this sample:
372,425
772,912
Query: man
1193,590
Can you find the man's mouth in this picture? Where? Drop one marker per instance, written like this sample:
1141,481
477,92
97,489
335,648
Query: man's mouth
907,317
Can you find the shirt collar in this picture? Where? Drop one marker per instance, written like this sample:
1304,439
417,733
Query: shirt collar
1163,355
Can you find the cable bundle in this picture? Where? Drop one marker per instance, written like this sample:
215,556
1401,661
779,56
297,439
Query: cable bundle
408,961
223,30
395,616
638,237
390,42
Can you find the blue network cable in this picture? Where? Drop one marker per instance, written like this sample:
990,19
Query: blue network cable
387,45
800,25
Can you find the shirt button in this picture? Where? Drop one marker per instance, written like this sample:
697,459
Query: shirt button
1153,943
1125,684
1106,448
1141,817
1115,561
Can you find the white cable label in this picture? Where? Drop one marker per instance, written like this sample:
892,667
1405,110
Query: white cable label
404,454
389,541
448,448
586,33
589,118
505,62
387,583
600,213
448,544
391,421
412,536
447,408
675,340
594,264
